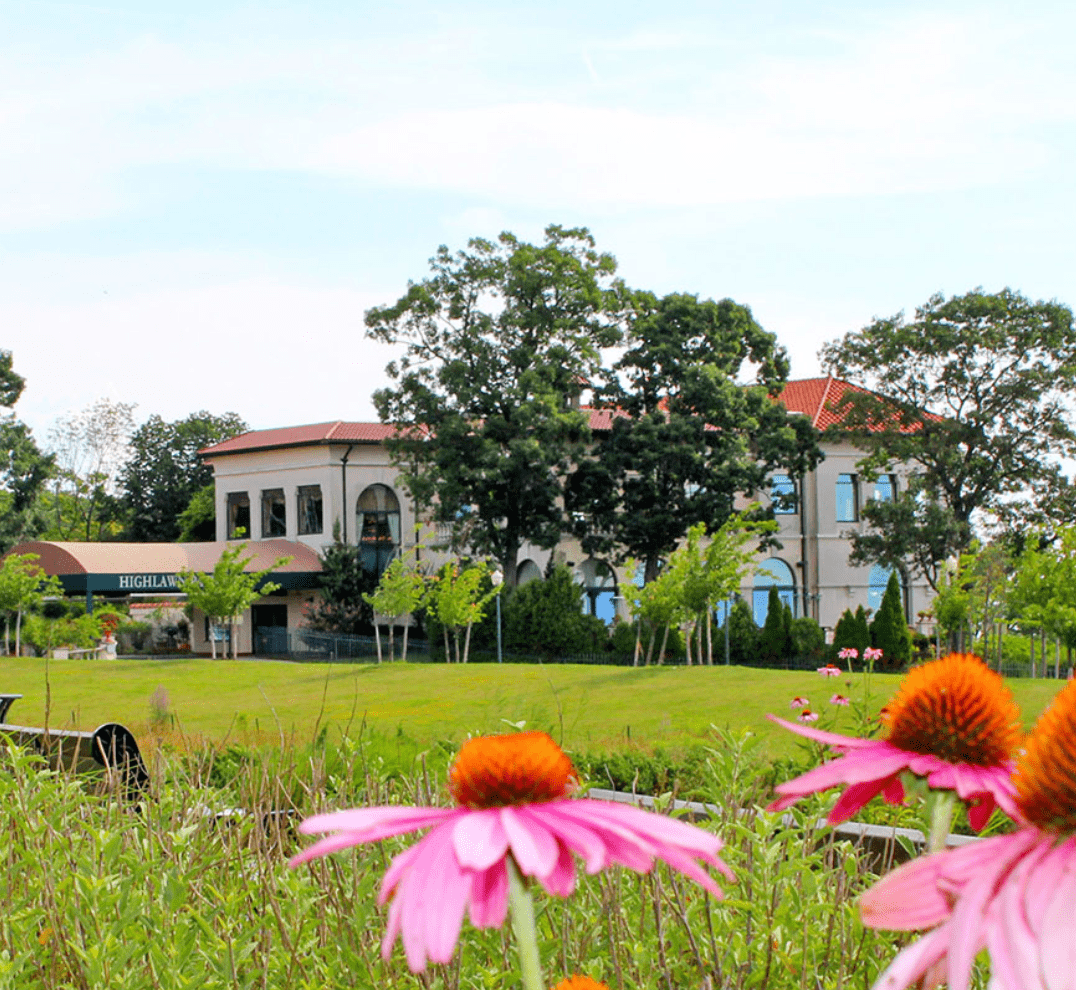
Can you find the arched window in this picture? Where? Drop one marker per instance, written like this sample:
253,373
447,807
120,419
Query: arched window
599,589
377,521
879,579
773,572
527,571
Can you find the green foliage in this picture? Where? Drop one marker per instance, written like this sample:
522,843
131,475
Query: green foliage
546,617
198,521
458,599
688,436
889,629
496,341
164,474
341,606
23,586
399,593
852,632
23,468
90,447
97,896
775,640
45,633
743,634
230,589
808,639
975,392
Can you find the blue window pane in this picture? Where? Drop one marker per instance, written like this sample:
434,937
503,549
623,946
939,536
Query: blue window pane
783,495
605,607
884,489
847,505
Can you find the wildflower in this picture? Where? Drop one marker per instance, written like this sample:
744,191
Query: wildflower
580,983
807,716
830,671
512,804
798,702
952,721
870,653
839,699
848,653
1014,895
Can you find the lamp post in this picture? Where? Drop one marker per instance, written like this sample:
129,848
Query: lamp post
495,579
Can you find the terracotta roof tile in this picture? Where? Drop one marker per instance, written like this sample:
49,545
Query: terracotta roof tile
818,399
301,436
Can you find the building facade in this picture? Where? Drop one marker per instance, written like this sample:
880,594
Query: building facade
304,483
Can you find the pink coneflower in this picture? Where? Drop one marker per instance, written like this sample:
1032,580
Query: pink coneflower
952,721
807,716
830,671
511,795
839,699
848,653
1014,895
798,702
870,653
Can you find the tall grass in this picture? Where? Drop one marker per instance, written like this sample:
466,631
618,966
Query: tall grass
190,887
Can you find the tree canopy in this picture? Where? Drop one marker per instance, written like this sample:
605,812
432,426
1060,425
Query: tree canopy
163,473
24,469
687,433
497,341
973,392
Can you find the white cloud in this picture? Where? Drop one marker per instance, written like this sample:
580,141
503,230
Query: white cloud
276,353
921,103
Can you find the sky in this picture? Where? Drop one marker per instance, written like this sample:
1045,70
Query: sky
199,200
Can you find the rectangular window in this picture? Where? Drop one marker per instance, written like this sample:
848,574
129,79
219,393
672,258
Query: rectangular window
885,488
310,517
847,498
783,495
238,516
274,513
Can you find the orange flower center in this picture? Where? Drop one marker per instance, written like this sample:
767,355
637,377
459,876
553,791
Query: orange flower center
1046,772
521,768
580,983
956,708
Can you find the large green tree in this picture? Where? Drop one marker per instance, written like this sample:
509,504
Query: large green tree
497,341
164,473
974,392
694,423
24,469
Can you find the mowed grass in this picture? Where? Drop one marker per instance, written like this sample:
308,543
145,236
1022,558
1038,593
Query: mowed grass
583,707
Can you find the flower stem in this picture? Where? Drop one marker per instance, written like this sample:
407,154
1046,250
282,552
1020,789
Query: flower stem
943,805
521,904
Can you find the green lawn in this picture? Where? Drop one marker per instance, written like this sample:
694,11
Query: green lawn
594,707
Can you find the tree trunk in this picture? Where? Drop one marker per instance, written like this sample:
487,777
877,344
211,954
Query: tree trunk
377,641
392,640
1057,660
467,642
1001,644
689,634
664,640
1031,653
650,645
448,652
212,640
234,636
407,625
456,637
7,641
638,643
709,635
18,633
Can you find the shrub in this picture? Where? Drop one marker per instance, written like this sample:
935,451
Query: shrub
851,632
547,617
743,634
889,630
775,641
808,639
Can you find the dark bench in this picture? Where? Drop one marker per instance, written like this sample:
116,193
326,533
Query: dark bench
111,747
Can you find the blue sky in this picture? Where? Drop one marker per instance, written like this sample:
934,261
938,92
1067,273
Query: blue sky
198,201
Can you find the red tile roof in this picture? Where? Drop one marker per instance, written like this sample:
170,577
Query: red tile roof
820,399
816,398
302,436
